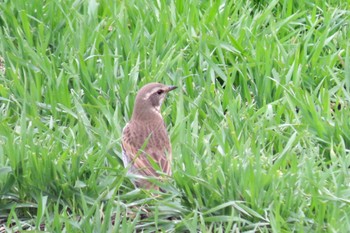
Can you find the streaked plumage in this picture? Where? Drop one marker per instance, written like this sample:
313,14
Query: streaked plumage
145,137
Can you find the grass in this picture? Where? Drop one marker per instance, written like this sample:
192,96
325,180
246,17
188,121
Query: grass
259,125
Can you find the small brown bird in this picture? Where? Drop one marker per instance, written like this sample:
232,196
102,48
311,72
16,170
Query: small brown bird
145,140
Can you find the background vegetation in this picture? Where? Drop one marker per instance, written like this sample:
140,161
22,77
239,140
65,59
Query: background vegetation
260,124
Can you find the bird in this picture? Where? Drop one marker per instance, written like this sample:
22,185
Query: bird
146,146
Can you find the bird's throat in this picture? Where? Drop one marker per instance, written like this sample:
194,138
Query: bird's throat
150,115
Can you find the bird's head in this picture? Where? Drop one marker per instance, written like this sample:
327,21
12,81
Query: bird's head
149,99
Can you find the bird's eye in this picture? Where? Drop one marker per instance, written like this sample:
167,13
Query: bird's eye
160,92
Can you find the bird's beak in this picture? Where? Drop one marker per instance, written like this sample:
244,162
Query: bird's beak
170,88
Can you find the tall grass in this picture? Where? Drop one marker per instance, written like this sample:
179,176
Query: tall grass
259,125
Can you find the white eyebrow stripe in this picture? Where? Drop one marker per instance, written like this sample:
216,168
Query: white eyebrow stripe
150,93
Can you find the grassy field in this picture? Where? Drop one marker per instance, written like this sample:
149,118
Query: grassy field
260,123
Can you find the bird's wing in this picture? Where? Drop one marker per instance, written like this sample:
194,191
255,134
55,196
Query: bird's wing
161,157
136,159
143,161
